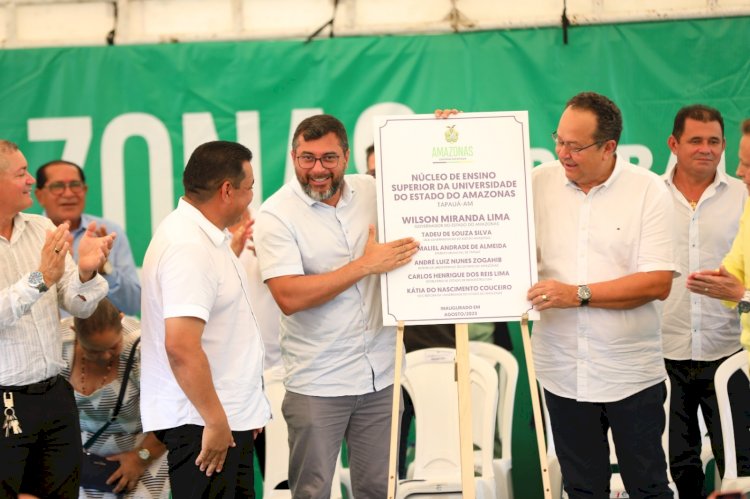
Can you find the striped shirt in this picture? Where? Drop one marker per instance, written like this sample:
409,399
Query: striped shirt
30,344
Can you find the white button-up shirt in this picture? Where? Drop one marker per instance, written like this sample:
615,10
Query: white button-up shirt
190,271
340,347
620,227
30,346
698,327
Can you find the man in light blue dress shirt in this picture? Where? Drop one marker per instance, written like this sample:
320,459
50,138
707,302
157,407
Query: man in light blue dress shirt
61,190
315,239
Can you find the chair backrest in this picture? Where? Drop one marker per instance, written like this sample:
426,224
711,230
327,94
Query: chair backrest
429,378
736,362
507,384
277,440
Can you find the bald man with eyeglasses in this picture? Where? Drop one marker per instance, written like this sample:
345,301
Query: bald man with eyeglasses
61,190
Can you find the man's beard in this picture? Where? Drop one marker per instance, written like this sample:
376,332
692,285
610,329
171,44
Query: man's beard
327,194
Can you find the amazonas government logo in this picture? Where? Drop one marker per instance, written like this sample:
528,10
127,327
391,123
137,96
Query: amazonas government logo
451,134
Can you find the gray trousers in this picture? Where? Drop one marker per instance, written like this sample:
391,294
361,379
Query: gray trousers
317,427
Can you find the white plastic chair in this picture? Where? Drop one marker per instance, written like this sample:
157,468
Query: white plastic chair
730,480
430,381
507,383
277,441
707,453
616,485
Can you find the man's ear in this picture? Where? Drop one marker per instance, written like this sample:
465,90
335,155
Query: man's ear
672,143
610,147
225,189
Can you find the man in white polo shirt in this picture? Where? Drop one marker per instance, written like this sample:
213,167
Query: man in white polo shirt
322,265
202,355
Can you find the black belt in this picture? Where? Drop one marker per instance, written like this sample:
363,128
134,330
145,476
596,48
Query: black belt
34,388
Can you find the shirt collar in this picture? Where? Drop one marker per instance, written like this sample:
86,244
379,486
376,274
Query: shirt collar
19,225
719,179
216,235
85,221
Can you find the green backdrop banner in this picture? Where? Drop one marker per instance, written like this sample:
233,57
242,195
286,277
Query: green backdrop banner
131,115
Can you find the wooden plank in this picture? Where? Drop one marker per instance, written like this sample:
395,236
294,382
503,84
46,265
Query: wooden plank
395,420
464,410
536,407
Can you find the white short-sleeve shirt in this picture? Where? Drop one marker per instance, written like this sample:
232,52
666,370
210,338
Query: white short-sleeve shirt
620,227
190,271
340,347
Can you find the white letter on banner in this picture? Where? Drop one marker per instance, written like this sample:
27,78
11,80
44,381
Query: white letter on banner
297,116
540,155
637,154
248,134
75,131
364,134
197,128
161,181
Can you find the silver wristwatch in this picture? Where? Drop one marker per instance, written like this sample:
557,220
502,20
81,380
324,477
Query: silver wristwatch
584,294
36,281
144,454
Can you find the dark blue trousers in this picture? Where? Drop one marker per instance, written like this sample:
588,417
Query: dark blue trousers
580,433
188,481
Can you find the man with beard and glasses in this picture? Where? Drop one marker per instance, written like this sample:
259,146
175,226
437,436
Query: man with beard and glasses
315,239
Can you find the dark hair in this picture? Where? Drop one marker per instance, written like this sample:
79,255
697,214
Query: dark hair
6,146
370,151
41,175
608,115
318,126
106,316
697,112
210,165
746,127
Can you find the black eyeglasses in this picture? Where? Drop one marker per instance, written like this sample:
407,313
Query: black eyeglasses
57,188
572,146
308,161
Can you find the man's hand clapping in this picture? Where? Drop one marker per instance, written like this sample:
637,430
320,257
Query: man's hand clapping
93,251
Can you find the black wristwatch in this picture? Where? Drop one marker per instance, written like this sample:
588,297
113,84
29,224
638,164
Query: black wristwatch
743,306
584,294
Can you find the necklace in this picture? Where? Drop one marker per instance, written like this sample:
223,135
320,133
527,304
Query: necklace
693,204
83,375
